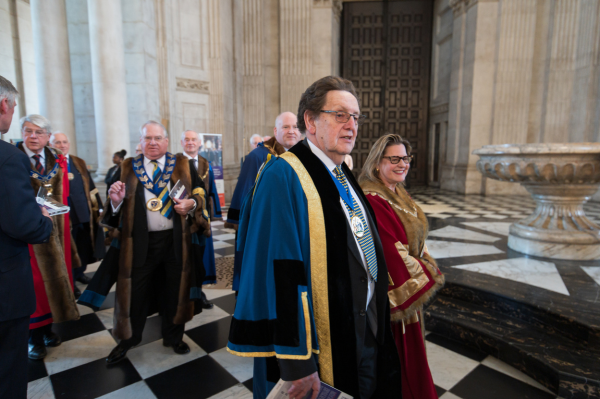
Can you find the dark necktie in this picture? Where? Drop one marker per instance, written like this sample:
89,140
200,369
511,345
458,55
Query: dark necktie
38,165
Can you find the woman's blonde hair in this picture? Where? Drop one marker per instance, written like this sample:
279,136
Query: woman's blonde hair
369,170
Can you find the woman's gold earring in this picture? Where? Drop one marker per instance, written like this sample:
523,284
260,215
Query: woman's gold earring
377,169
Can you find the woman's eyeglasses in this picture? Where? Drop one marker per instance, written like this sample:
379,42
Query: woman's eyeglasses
395,160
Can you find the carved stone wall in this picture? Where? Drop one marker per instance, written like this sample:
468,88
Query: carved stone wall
521,71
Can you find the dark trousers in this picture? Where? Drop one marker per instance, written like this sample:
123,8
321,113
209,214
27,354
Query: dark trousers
367,367
85,250
13,352
36,335
160,259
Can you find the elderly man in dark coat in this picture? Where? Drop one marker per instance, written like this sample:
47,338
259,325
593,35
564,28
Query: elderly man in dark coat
156,246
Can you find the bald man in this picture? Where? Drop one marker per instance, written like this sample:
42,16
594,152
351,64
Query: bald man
286,135
86,207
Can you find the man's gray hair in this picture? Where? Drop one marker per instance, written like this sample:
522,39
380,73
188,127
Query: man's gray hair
151,122
253,136
8,91
37,120
53,137
189,130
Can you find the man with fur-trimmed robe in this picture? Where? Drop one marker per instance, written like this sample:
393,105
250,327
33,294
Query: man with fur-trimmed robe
86,206
313,303
157,258
286,135
51,262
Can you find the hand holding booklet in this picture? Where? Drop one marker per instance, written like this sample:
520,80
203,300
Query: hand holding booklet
327,392
178,192
52,206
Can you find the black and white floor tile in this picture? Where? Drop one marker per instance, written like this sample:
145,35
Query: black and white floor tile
467,232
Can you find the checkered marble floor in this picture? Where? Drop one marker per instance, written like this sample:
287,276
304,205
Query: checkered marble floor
466,231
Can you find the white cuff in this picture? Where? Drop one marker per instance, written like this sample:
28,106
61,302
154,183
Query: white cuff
191,213
115,210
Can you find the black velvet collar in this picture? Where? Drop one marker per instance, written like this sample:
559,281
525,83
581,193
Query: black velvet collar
341,313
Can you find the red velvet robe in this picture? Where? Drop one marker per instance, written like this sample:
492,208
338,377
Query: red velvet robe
43,314
412,279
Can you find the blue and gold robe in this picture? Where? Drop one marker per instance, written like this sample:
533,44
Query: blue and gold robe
295,296
246,180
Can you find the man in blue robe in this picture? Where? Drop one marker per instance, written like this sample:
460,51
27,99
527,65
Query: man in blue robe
313,290
286,135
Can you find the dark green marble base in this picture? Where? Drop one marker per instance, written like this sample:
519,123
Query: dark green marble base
546,342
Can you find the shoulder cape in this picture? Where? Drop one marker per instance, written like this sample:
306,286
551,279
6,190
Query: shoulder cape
413,273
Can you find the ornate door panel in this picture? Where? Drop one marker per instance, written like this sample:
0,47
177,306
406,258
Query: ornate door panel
386,52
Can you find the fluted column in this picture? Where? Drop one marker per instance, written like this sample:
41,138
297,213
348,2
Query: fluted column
295,49
108,76
254,80
53,66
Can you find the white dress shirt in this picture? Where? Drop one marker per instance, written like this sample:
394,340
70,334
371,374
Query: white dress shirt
156,221
331,166
194,158
30,154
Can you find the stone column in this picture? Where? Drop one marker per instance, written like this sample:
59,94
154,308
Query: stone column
53,66
108,75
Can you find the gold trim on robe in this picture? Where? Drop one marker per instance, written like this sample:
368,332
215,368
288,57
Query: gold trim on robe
318,267
418,279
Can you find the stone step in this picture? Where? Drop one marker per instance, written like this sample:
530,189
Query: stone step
563,365
572,321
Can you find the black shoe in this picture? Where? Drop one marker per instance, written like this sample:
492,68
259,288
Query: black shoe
117,354
83,279
206,304
52,339
76,292
181,348
37,351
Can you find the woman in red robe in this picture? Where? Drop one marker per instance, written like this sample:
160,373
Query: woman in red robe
413,273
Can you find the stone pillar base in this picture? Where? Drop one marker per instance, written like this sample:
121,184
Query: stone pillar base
554,250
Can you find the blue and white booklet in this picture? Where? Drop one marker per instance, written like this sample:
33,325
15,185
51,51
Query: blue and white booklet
327,392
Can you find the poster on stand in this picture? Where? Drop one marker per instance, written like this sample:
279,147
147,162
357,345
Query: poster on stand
211,148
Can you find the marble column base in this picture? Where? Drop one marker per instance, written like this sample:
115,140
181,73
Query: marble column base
554,250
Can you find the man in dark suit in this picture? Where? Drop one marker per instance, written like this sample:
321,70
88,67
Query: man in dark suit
156,247
21,223
86,205
191,144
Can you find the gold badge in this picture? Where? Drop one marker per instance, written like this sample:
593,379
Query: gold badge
357,227
71,176
154,205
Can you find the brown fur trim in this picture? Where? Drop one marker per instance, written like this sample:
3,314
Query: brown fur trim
274,147
50,255
185,308
416,228
82,168
203,170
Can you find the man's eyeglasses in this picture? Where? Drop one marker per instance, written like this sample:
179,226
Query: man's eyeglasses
29,133
343,117
395,160
157,139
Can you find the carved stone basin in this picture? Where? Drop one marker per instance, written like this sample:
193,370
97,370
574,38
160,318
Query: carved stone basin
561,177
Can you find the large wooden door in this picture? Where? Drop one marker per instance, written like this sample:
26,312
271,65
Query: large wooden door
386,53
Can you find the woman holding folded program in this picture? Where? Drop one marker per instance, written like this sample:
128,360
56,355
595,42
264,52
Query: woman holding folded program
413,273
